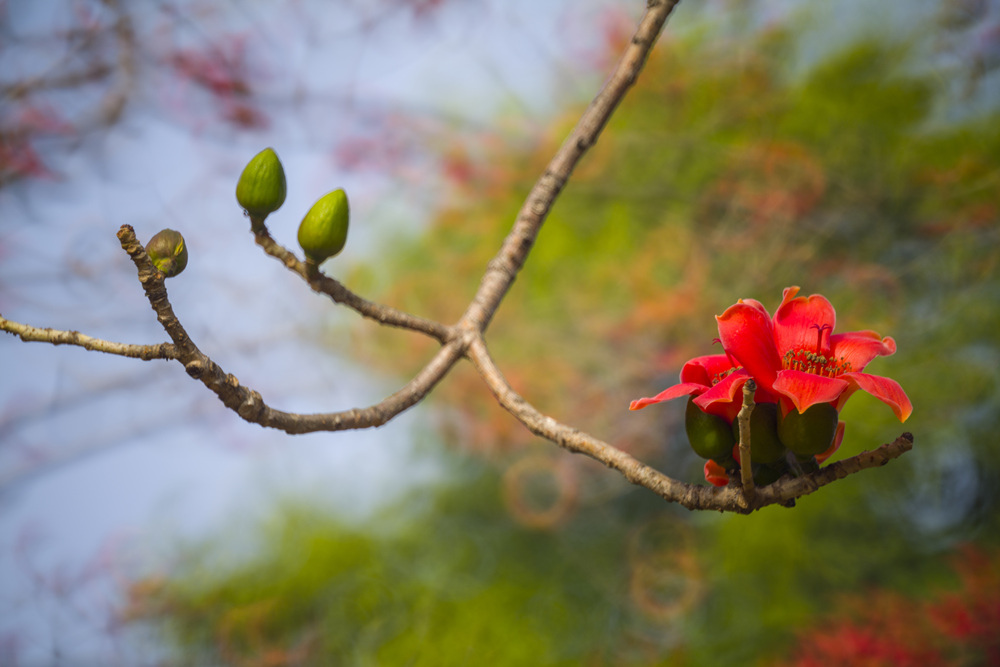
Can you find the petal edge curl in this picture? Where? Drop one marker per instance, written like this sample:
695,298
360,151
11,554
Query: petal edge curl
858,348
668,394
884,389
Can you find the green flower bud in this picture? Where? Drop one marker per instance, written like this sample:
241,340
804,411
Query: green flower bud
810,432
168,252
261,189
765,447
710,435
323,231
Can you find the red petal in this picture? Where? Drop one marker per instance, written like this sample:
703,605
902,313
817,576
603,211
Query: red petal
746,333
703,369
788,294
715,474
799,321
668,394
886,390
860,347
807,389
754,303
721,399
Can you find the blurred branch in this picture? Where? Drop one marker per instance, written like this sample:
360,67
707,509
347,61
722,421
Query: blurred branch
100,55
74,75
114,102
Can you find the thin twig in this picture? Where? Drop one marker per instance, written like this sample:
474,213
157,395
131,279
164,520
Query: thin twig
248,403
743,417
690,495
321,284
30,334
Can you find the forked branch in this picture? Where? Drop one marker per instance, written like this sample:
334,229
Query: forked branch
466,337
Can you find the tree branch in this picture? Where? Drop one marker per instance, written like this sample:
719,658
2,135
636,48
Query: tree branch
689,495
789,488
743,417
694,497
321,284
248,403
504,267
30,334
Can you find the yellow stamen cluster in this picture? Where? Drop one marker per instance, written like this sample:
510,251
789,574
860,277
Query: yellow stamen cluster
810,362
719,377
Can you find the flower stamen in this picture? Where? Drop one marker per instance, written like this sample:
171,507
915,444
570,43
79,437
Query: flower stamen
719,377
817,364
819,335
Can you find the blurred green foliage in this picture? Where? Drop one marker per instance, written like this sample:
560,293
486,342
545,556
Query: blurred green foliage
444,578
723,175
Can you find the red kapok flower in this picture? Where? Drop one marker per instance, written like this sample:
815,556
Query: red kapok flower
796,361
797,357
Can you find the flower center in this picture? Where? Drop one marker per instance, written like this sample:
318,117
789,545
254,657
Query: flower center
719,377
802,359
810,362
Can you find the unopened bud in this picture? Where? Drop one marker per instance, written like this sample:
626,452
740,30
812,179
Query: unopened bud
168,251
261,189
323,231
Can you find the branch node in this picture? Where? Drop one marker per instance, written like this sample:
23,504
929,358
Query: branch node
195,368
251,407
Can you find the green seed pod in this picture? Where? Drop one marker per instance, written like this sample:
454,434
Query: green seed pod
261,189
765,447
810,432
323,231
168,251
728,462
765,474
711,436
